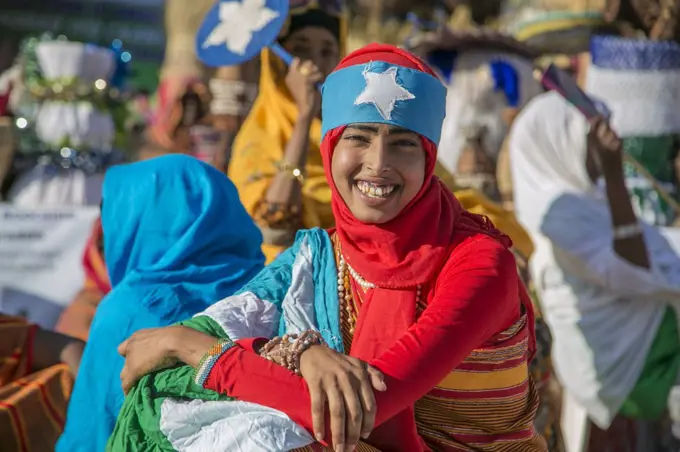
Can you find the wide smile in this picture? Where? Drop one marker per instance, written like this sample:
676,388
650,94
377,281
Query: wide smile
375,194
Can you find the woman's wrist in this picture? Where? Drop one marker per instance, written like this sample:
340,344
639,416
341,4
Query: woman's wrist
187,345
613,172
287,350
306,115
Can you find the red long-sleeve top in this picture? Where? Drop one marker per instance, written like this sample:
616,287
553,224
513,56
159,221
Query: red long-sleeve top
475,297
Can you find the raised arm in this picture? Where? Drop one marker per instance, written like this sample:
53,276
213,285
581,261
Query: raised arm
271,190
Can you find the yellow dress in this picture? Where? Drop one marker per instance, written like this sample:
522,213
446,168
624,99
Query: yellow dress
258,150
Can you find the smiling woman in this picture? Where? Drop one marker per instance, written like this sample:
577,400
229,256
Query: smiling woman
378,169
375,335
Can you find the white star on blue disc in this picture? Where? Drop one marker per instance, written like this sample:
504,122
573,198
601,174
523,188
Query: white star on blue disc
238,21
383,91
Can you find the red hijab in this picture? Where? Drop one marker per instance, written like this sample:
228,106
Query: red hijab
407,251
410,249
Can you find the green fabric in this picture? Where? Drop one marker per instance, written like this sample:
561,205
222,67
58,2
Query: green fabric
138,426
648,399
656,155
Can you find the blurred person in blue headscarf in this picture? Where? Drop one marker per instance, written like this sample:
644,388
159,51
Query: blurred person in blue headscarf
176,239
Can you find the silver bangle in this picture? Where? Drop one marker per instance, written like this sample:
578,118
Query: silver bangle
627,231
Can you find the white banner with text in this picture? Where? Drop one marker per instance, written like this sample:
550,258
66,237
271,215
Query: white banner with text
41,253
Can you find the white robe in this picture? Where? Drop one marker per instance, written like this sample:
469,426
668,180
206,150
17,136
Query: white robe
604,312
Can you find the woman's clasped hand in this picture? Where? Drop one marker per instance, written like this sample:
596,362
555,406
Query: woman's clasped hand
342,387
155,349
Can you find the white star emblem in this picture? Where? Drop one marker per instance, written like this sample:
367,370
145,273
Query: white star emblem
238,21
383,91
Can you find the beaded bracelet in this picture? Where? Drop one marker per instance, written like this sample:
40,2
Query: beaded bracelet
290,348
208,360
303,343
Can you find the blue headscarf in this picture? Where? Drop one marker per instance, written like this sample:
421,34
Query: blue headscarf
176,239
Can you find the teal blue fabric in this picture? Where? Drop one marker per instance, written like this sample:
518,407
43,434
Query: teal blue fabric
176,239
274,282
326,302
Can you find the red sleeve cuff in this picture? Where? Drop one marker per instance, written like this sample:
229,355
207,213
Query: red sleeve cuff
251,343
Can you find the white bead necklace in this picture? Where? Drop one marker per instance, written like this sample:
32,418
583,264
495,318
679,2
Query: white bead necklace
356,276
343,267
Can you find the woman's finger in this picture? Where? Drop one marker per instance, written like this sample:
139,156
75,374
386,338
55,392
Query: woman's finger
596,121
611,135
377,379
315,78
309,67
368,407
318,398
124,380
122,348
354,413
336,408
306,68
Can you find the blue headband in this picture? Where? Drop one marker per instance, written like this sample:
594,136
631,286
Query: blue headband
384,93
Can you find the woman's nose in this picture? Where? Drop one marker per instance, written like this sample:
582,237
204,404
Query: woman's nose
377,158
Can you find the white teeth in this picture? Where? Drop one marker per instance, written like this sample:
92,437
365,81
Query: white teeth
373,190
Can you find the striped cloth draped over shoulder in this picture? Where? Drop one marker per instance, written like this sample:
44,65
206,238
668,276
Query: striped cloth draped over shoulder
488,403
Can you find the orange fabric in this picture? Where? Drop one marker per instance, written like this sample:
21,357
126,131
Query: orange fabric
76,319
15,343
488,395
33,409
96,275
32,406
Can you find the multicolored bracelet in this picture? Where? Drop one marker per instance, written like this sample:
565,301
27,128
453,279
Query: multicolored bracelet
287,350
208,360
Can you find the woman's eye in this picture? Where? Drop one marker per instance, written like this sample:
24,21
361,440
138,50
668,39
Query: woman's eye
329,53
357,138
301,52
406,143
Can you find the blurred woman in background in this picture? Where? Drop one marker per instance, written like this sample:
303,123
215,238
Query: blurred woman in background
275,162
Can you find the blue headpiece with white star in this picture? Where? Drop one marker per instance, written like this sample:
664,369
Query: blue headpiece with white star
384,93
235,31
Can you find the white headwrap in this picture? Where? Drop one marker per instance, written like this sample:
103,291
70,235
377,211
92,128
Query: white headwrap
603,311
548,154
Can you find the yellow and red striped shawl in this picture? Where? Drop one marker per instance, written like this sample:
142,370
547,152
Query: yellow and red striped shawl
488,403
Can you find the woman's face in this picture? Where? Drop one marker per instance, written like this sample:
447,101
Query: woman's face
378,169
316,44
